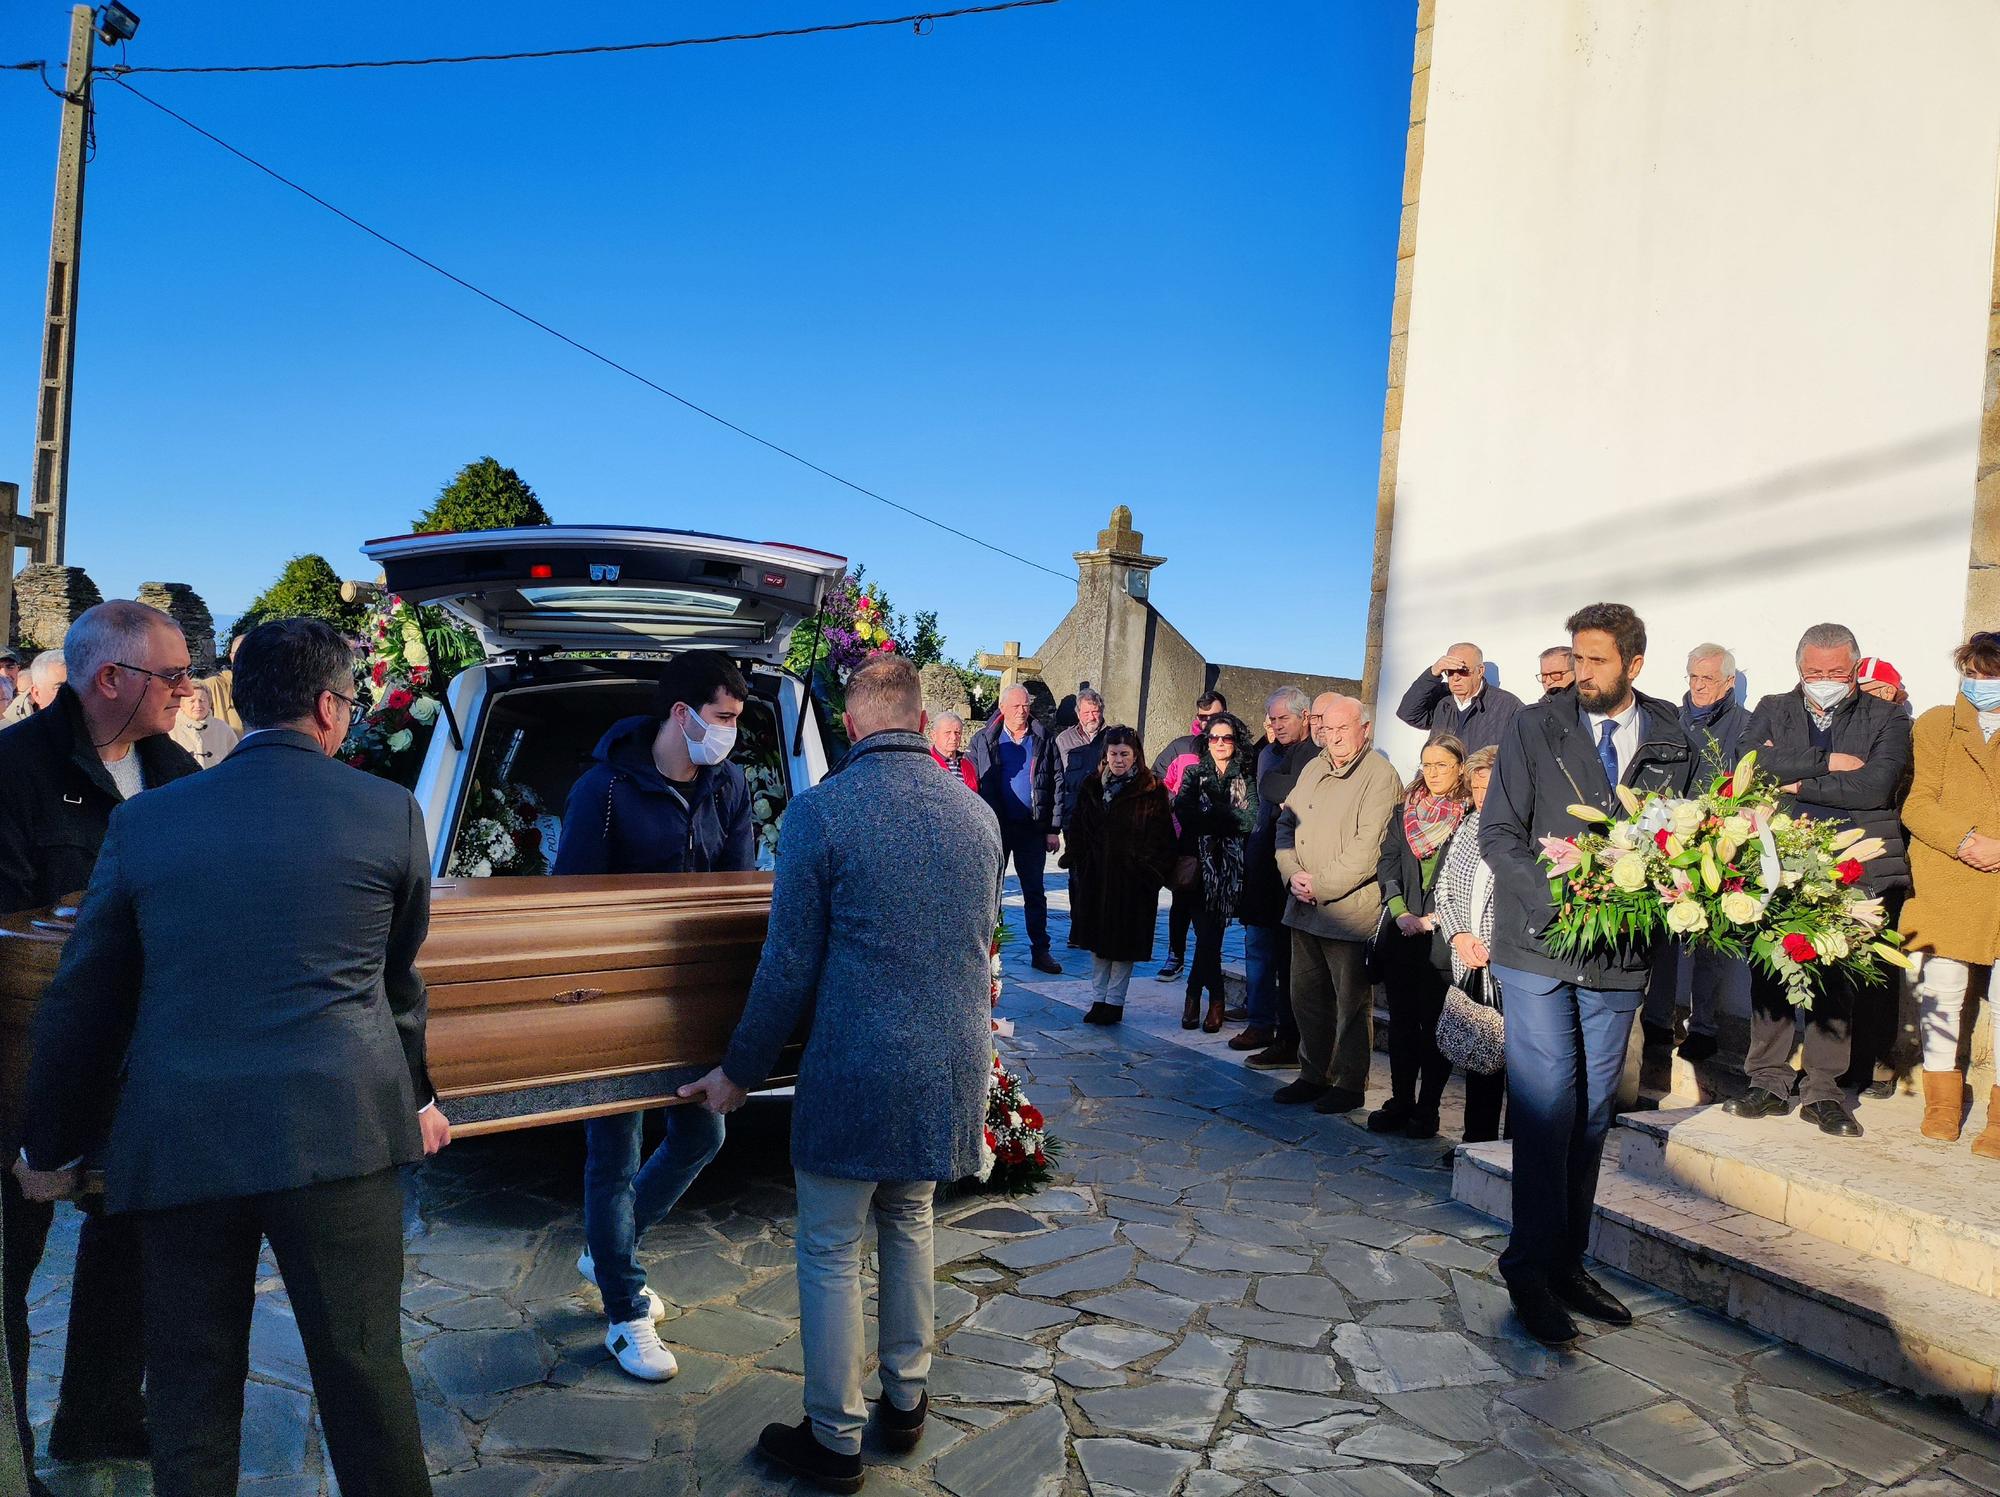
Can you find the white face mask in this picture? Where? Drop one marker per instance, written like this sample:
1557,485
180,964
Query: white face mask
716,740
1827,694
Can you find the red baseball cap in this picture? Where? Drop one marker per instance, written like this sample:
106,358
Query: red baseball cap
1874,668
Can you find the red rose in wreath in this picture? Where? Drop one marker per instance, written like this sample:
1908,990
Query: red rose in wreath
1849,870
1660,838
381,670
398,700
1011,1152
1031,1116
992,1142
1800,949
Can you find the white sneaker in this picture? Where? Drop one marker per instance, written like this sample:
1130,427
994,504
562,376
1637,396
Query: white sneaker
655,1306
639,1350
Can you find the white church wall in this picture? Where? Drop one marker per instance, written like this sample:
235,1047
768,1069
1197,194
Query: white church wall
1697,324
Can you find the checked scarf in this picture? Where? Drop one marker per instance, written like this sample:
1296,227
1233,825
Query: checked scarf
1429,820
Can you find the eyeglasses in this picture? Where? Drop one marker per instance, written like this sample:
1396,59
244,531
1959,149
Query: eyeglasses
353,706
1222,738
1457,670
1547,677
172,677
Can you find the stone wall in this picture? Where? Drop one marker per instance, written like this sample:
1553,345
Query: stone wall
1982,588
184,606
47,600
1249,687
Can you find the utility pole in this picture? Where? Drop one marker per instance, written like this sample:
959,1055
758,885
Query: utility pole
51,475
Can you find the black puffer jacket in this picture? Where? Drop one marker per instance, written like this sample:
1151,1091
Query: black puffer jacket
1263,886
1874,731
56,798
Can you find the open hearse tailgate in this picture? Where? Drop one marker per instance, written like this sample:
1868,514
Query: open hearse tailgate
551,999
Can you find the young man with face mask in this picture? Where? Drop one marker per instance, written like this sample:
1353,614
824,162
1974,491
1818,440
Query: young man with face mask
1842,755
662,797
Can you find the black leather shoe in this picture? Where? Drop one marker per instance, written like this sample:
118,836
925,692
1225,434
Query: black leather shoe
1698,1047
902,1429
797,1449
1758,1103
1294,1092
1583,1294
1340,1099
1542,1315
1421,1124
1830,1117
1390,1116
1658,1036
1043,962
77,1439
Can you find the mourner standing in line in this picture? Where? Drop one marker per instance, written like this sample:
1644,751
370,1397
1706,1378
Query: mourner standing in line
100,740
888,888
271,1096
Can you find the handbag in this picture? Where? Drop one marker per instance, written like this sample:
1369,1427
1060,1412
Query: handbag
1472,1034
1374,953
1187,871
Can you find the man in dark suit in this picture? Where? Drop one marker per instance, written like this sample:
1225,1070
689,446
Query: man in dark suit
1842,755
272,1096
101,739
1568,1018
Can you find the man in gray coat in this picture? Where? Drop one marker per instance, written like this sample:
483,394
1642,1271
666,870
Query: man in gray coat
881,927
272,1095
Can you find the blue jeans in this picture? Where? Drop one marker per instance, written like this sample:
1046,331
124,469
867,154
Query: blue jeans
1265,950
1565,1056
621,1199
1027,843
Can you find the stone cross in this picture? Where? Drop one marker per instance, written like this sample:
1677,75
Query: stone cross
1011,664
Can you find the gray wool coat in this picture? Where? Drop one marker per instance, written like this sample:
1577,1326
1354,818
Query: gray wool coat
888,889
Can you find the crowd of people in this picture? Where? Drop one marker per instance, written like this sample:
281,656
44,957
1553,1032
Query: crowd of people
1346,877
309,1089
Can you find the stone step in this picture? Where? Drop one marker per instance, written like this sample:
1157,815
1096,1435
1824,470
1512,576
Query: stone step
1889,1195
1877,1317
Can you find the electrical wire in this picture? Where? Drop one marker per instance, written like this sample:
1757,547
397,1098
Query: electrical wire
920,21
580,347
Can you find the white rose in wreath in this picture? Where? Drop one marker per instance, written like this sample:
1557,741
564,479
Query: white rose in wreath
1629,872
1740,908
1687,819
424,710
400,740
413,645
1685,917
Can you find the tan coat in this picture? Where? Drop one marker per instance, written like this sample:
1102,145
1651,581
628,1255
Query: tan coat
1331,828
209,741
1954,910
222,695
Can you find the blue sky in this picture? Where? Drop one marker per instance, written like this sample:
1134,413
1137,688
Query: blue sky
1012,273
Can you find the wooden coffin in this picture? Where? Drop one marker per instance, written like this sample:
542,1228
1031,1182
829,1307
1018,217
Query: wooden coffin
551,999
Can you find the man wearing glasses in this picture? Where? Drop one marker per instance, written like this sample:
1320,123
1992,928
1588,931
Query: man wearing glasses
101,740
1452,697
1556,670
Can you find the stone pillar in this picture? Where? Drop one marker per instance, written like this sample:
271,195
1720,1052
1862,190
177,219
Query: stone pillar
1114,582
47,600
1399,343
183,605
1982,587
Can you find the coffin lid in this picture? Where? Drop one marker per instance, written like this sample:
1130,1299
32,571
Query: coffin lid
612,587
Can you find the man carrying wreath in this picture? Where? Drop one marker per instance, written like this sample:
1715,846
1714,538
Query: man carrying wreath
1569,1018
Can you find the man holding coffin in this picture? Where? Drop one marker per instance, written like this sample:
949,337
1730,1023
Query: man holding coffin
274,1095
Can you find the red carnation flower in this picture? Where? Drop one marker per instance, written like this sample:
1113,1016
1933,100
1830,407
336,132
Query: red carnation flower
992,1142
1012,1153
1800,949
398,700
381,670
1031,1116
1660,838
1849,871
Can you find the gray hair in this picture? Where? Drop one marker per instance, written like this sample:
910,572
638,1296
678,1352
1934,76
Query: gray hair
1292,699
1827,637
1716,652
1466,644
45,666
945,717
1017,686
1568,655
1090,694
112,633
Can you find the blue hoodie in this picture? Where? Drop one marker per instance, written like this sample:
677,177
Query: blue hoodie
624,816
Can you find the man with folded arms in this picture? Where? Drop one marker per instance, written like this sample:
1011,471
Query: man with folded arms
272,1096
881,926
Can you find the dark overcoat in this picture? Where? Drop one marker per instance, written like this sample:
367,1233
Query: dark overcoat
1119,857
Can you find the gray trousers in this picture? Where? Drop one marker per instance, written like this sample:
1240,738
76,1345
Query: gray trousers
1335,1007
833,1216
1710,974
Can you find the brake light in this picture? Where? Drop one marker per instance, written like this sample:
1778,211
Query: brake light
774,579
541,571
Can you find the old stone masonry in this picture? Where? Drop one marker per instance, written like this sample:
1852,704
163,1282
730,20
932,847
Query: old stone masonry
1223,1297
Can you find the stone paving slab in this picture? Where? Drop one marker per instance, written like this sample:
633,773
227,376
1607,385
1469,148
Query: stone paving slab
1219,1297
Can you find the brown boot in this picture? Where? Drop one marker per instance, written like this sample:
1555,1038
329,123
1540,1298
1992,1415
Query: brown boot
1987,1145
1944,1105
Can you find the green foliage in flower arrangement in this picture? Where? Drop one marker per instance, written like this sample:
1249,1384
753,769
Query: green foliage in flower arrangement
309,588
484,496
